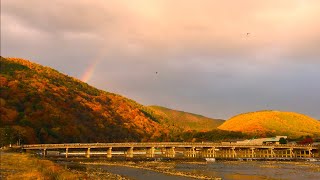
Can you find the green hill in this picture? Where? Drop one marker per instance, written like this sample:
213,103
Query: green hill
41,105
265,123
187,121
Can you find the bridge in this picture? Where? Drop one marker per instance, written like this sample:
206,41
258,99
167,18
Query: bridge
178,149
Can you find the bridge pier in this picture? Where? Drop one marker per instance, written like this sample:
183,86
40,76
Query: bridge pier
212,152
265,153
129,153
248,153
208,152
234,153
109,152
44,152
218,153
272,154
252,153
88,153
190,152
229,153
150,152
291,153
224,153
288,154
67,152
170,152
310,153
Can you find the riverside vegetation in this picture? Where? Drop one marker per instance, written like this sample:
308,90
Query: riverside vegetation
25,166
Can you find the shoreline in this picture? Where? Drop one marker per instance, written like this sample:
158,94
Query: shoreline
183,159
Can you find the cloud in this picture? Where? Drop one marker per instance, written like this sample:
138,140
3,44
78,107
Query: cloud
211,27
200,49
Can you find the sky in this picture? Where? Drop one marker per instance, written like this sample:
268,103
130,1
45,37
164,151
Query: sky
217,58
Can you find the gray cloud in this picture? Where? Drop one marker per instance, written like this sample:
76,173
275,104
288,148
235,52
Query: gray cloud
205,61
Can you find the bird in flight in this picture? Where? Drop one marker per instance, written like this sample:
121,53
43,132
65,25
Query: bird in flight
156,72
248,34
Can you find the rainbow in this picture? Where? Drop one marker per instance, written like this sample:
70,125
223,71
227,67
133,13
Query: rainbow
90,70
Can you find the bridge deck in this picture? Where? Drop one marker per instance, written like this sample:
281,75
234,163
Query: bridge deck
188,150
163,145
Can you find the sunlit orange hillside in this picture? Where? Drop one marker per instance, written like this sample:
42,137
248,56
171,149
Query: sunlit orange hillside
41,105
265,123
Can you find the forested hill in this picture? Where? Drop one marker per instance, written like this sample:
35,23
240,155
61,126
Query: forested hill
262,123
41,105
187,121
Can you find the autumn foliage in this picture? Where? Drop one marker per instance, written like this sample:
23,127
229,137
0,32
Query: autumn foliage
270,123
187,121
41,105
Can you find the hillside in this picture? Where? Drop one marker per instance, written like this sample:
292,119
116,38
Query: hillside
41,105
187,121
264,123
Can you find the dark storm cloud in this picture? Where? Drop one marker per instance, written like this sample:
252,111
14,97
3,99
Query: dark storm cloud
205,60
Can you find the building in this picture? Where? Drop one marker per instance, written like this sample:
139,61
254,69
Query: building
261,141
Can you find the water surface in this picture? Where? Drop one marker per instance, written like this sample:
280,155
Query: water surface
255,170
228,170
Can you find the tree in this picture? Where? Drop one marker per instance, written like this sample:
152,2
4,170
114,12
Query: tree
282,141
8,136
306,140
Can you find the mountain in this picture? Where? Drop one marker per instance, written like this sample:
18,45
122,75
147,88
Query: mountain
187,121
264,123
41,105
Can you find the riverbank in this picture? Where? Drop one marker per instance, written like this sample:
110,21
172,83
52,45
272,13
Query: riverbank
26,166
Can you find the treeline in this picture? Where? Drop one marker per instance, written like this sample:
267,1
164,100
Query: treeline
10,135
215,135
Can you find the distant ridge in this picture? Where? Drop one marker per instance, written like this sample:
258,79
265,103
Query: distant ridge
187,121
272,122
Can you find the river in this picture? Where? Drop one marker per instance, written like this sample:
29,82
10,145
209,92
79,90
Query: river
256,170
228,170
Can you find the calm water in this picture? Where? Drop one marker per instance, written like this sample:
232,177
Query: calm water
256,170
233,170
